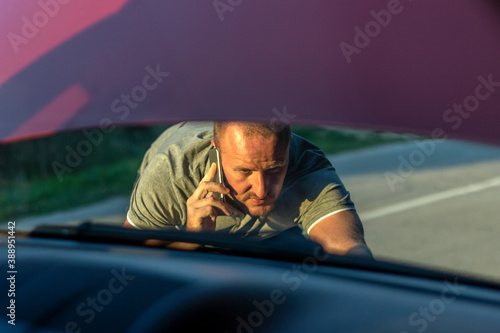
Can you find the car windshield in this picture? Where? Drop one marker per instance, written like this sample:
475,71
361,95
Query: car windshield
422,201
389,116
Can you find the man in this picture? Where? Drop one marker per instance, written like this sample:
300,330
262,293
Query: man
274,181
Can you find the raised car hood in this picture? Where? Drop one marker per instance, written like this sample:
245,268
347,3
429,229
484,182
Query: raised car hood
429,67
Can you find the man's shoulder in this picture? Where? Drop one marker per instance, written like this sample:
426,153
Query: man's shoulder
305,157
182,149
309,173
185,134
183,138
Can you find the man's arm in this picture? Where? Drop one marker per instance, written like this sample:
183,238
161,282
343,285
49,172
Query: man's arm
341,234
200,210
127,224
160,243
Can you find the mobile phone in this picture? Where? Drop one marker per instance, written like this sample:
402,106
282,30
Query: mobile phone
214,157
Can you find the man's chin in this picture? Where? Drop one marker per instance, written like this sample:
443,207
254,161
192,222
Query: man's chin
262,210
252,209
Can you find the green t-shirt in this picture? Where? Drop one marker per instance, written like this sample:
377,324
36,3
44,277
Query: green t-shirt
177,161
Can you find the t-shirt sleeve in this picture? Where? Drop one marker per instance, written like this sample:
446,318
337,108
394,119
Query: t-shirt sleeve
158,198
314,191
327,197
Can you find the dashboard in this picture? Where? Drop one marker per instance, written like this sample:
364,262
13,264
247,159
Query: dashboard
74,286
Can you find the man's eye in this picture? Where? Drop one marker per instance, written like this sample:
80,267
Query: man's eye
275,170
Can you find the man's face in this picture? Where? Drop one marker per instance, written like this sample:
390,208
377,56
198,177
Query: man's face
254,167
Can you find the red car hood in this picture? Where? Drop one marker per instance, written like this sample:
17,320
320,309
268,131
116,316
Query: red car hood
422,66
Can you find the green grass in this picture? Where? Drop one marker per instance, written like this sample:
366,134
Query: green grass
334,141
29,186
47,195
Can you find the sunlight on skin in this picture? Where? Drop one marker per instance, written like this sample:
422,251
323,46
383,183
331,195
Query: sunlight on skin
254,167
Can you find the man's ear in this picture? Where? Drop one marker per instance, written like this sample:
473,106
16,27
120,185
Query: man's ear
213,144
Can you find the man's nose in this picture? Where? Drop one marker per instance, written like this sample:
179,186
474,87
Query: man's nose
259,185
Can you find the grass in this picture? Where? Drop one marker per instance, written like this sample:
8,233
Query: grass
29,186
47,195
335,141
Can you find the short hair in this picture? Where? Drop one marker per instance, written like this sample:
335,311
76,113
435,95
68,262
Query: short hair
282,133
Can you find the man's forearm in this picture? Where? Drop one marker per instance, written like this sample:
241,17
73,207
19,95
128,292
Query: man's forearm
172,245
169,245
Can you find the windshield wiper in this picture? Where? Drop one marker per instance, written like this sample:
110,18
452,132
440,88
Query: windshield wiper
212,242
233,245
103,233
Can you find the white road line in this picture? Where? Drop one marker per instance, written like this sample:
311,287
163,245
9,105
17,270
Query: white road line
429,199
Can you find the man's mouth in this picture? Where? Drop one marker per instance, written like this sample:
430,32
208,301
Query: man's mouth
258,202
266,201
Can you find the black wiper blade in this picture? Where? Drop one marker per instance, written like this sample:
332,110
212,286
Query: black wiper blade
213,242
229,244
103,233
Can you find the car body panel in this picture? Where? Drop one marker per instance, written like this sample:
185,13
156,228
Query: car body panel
418,66
399,65
138,289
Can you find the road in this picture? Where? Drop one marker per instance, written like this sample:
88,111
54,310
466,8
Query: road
441,210
423,202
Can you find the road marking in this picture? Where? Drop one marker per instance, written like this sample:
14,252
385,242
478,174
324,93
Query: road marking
430,199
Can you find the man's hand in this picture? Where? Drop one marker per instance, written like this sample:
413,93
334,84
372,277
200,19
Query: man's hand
201,206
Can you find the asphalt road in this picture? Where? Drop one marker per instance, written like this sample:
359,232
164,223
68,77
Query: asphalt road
432,204
438,207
